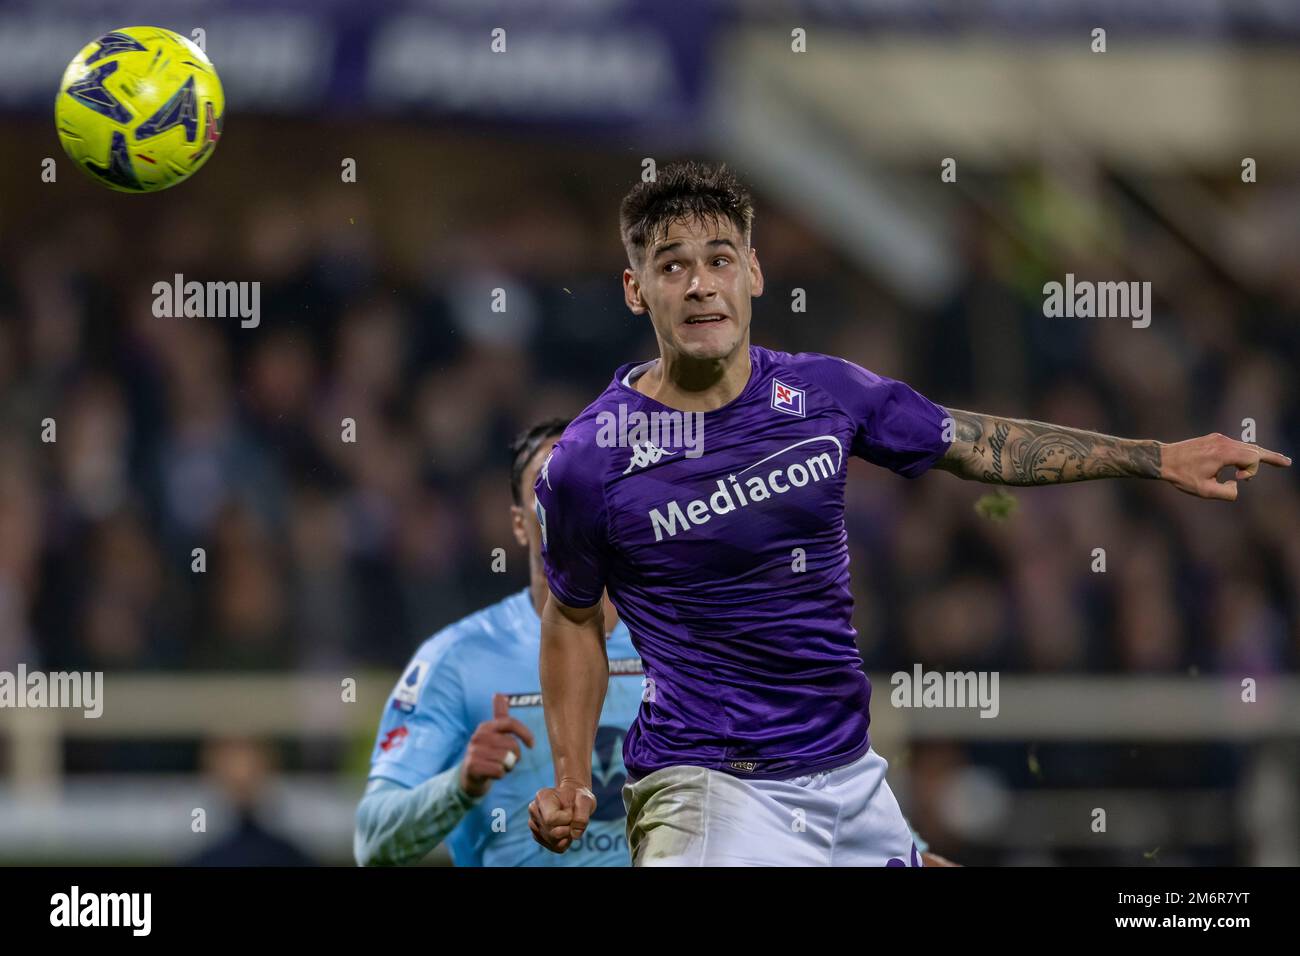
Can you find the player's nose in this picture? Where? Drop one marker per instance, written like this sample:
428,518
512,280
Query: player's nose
701,289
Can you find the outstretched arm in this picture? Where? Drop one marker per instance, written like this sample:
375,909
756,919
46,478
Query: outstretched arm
1012,451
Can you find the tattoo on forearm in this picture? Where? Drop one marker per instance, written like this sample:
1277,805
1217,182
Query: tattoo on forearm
1017,452
996,444
968,430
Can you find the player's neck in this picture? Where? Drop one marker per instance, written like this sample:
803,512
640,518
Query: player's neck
692,386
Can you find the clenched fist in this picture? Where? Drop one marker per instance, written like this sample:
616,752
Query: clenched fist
558,815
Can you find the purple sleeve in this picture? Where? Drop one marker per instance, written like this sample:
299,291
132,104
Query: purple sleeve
571,512
896,426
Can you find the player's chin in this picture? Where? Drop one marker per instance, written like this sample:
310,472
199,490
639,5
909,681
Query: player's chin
708,342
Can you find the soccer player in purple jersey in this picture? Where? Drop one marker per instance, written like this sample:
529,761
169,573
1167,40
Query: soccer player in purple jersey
705,490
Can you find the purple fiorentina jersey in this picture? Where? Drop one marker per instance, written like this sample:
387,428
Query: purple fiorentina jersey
731,566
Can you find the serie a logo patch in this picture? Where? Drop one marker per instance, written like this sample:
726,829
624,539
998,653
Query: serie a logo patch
407,692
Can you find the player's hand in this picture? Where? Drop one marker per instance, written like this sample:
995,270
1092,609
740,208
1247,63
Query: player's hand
1192,465
558,815
493,749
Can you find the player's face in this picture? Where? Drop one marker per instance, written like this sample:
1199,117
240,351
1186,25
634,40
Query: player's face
523,518
696,284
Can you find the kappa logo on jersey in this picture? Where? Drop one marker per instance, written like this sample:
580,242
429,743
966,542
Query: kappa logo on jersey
546,470
646,453
407,692
787,398
394,738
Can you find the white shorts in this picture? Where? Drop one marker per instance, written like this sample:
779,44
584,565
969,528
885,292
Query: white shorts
690,816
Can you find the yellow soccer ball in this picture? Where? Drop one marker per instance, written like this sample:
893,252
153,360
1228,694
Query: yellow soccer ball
140,109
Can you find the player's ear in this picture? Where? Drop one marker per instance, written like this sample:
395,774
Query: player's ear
755,273
632,293
517,525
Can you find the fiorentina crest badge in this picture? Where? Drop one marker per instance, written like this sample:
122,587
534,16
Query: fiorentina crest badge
787,398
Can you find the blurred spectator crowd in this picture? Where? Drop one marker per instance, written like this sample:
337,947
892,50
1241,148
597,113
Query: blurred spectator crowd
182,433
175,434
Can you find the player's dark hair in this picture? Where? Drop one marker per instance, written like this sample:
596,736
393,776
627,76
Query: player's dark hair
679,192
525,446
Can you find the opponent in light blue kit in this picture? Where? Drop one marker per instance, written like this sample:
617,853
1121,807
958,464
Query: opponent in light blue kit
454,723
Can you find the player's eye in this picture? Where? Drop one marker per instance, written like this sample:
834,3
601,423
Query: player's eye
723,259
668,266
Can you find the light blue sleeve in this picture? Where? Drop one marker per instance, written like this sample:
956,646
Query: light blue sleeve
413,799
424,728
398,825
